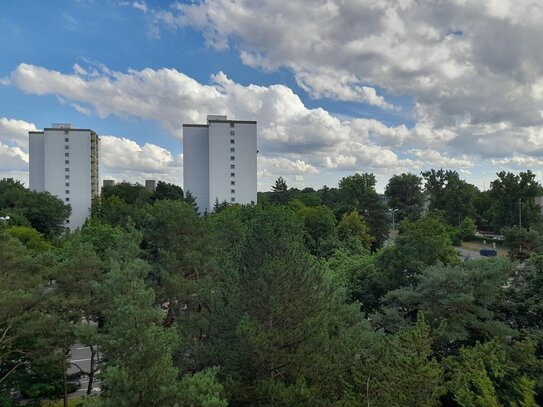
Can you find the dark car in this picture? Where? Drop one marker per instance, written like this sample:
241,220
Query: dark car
488,252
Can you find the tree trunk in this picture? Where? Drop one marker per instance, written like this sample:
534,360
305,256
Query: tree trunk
92,369
65,398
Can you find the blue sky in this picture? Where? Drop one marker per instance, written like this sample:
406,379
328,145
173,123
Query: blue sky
384,87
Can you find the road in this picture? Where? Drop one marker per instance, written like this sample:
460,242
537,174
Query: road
81,355
468,254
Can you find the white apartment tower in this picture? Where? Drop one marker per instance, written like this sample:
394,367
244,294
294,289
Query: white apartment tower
219,161
64,161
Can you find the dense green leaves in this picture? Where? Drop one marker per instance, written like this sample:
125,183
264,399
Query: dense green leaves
282,303
41,210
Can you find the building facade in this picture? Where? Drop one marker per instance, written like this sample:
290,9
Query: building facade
64,161
219,161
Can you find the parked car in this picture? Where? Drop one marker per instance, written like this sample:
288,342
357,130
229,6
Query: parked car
488,252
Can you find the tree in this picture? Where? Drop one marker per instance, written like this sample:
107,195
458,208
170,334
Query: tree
484,375
404,193
30,237
77,276
353,232
280,185
175,240
467,229
132,194
43,211
139,369
31,333
289,344
191,201
219,206
425,242
460,300
513,200
319,229
522,243
358,192
279,191
456,198
397,370
165,190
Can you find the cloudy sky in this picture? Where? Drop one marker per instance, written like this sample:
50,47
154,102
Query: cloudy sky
337,87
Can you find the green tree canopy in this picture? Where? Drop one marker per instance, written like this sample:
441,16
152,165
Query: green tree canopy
404,193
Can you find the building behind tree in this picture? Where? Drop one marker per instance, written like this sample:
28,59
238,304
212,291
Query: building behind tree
219,161
64,161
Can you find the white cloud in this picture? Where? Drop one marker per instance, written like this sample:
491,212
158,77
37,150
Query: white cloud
12,159
477,60
124,159
273,167
140,5
286,125
293,139
15,131
435,159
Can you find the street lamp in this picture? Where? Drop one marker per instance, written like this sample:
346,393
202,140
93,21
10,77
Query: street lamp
520,212
393,211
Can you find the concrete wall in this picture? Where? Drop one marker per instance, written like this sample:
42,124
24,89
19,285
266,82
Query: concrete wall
219,162
36,161
61,160
232,173
196,164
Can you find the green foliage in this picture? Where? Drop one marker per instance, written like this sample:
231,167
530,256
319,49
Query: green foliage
201,389
291,324
363,281
280,185
511,194
31,333
165,190
354,233
522,243
483,376
358,192
425,242
190,200
30,237
397,370
319,230
139,369
467,229
404,193
44,212
132,194
456,198
460,300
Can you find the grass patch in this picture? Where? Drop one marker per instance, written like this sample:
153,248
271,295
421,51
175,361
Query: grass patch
475,246
60,403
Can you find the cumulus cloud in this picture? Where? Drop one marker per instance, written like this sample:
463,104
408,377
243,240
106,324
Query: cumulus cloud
270,167
124,159
15,131
286,125
12,158
468,65
435,159
294,140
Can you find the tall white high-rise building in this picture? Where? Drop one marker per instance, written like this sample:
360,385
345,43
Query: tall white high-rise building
219,161
64,161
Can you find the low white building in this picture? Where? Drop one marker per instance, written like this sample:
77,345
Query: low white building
64,161
219,161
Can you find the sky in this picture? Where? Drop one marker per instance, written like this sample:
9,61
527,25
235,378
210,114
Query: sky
337,87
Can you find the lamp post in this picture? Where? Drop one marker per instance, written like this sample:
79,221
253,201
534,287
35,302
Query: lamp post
393,211
520,212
